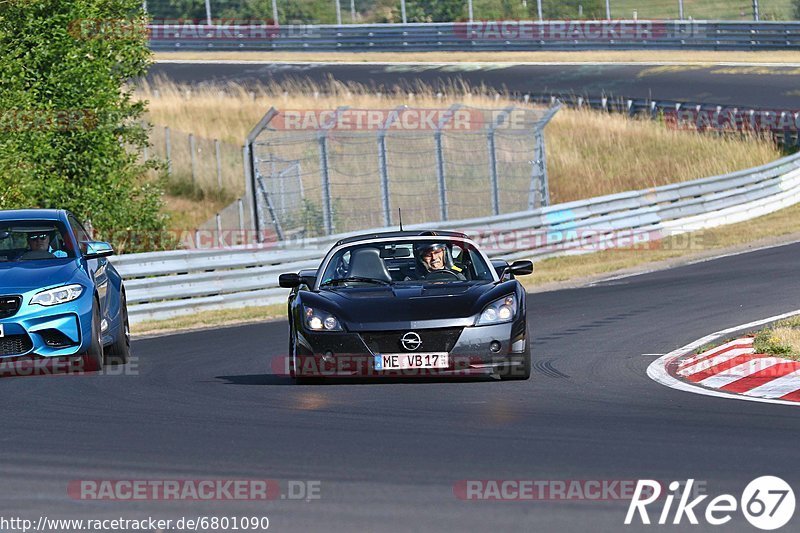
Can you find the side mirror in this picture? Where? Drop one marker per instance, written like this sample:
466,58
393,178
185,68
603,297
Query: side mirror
97,249
289,281
521,268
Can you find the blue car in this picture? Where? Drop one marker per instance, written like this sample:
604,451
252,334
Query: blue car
60,297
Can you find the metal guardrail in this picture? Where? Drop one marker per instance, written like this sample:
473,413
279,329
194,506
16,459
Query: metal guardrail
481,36
782,124
161,285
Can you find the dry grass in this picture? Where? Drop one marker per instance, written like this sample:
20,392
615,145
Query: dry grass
220,318
609,56
188,214
781,339
589,153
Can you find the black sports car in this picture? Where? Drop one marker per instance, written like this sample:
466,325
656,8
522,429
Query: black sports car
408,304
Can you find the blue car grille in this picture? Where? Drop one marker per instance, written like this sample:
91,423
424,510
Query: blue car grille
9,305
15,345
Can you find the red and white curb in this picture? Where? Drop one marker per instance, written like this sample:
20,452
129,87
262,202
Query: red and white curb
731,370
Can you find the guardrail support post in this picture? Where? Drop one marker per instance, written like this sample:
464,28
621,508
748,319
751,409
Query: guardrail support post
327,217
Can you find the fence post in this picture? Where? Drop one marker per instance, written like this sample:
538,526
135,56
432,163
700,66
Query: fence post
219,230
403,11
545,177
383,165
219,163
241,214
384,172
208,12
440,176
490,138
327,217
192,154
440,160
168,150
493,172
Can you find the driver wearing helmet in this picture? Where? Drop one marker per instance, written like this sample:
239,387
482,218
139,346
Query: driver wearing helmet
435,256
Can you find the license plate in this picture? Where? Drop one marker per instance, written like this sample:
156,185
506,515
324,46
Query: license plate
403,361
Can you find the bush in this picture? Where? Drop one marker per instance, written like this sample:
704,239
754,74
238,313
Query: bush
70,132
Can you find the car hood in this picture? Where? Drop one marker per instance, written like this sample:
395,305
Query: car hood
402,306
16,277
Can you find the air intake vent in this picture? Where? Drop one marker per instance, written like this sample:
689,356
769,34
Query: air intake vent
15,345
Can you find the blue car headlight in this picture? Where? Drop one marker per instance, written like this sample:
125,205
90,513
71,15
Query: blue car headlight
319,320
56,296
499,311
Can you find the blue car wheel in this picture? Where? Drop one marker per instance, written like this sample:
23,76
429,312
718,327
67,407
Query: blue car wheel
92,360
119,352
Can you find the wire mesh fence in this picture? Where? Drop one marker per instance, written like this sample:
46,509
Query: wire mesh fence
396,11
319,172
196,165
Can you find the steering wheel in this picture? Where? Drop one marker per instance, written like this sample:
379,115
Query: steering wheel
442,274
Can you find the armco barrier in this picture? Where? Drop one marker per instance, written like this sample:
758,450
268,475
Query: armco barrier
166,35
161,285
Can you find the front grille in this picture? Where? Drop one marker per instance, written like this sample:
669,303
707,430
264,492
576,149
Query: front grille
9,305
15,344
433,340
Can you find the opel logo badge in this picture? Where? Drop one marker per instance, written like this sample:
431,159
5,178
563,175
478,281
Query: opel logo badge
411,341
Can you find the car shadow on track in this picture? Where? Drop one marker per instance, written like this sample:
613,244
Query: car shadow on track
272,379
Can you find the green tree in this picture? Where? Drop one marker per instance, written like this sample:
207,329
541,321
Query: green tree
796,9
70,130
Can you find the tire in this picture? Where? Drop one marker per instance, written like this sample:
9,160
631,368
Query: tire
119,353
92,359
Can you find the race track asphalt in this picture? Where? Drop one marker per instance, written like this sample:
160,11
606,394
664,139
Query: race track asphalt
759,87
387,455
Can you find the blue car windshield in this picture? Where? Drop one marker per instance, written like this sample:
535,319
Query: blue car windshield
33,240
405,261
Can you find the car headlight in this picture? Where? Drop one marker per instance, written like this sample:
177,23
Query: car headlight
319,320
56,296
499,311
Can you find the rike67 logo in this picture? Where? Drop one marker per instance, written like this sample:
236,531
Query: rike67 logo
767,503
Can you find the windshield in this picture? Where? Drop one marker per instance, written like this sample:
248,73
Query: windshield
406,261
33,240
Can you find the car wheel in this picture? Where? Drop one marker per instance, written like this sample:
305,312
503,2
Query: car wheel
292,372
92,360
119,353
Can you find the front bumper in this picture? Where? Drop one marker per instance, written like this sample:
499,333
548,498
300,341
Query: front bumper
477,350
58,331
